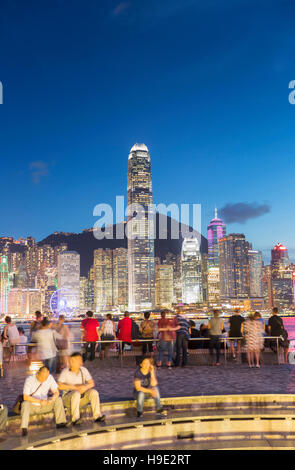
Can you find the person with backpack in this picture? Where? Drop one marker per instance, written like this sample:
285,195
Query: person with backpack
107,332
124,330
275,328
147,328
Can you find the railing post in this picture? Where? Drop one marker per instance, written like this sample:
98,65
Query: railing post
278,350
224,339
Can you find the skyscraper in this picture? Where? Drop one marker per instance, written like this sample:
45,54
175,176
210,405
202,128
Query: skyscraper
103,279
4,285
234,267
68,271
255,273
140,230
191,271
120,278
279,259
215,230
164,285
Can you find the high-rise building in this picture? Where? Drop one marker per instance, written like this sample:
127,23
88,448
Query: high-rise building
4,285
24,301
215,231
283,292
140,230
175,261
234,267
255,273
279,259
68,271
120,278
282,277
103,279
267,287
164,285
191,271
213,285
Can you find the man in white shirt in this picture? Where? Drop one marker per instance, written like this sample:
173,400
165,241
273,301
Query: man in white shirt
78,390
36,401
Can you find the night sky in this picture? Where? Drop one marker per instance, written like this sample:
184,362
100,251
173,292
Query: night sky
204,84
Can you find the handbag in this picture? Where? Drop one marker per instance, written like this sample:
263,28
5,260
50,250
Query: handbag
18,404
61,344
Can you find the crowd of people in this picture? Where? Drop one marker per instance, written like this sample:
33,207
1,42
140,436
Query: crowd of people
176,334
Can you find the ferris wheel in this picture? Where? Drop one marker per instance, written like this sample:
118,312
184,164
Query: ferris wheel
59,303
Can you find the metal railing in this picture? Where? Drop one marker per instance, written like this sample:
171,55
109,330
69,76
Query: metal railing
13,351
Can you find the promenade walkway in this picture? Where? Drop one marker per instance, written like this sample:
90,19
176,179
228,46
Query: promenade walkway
115,383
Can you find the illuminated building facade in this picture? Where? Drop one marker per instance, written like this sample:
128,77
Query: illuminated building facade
234,267
103,279
255,273
120,278
267,287
140,231
68,271
24,302
164,285
279,259
215,231
191,271
4,285
283,292
213,285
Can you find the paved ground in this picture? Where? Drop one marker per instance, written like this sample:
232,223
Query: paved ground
115,383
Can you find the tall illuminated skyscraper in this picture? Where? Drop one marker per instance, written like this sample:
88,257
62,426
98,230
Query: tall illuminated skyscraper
140,230
279,259
234,267
215,230
255,273
4,285
103,279
120,278
68,271
164,285
191,271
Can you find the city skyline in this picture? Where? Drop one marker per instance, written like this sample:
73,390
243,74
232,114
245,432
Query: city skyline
211,105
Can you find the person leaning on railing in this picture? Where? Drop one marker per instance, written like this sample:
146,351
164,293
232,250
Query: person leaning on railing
216,328
236,331
107,332
147,328
90,335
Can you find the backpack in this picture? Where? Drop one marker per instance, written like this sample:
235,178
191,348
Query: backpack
135,333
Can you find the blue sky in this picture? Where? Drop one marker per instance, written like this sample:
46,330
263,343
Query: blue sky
204,84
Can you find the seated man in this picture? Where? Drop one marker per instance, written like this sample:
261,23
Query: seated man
36,399
3,417
78,387
145,386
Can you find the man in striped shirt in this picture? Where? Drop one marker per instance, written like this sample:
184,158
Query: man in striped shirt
183,335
